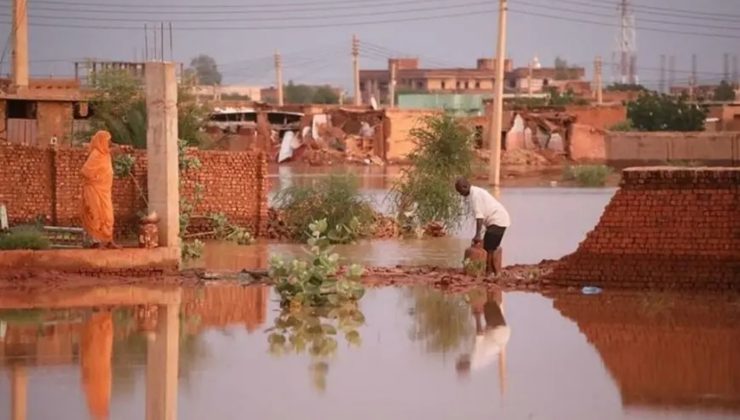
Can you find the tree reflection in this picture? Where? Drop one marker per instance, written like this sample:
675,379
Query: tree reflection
441,322
315,330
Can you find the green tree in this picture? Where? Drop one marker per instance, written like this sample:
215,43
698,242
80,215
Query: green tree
325,95
655,112
206,70
306,94
724,92
443,152
563,71
119,106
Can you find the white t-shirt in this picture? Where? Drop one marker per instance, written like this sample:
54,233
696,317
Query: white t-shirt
486,207
488,346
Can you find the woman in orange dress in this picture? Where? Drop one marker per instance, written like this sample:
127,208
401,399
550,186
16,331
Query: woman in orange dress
97,185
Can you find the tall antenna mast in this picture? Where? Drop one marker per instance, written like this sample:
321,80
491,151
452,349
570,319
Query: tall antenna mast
627,41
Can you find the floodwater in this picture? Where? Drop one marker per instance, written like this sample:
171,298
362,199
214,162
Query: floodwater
611,356
547,223
216,352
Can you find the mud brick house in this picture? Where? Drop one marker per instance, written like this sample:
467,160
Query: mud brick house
46,109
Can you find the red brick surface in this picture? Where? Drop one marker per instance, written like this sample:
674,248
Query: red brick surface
665,228
46,183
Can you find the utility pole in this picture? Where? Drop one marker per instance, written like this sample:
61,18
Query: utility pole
692,79
627,43
161,41
498,98
530,89
20,44
392,84
146,43
598,76
279,78
726,68
735,74
671,72
356,69
661,86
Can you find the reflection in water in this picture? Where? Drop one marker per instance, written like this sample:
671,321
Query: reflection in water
95,363
664,350
491,332
441,322
314,330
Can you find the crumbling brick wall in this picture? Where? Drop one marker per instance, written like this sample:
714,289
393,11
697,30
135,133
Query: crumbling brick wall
46,182
675,228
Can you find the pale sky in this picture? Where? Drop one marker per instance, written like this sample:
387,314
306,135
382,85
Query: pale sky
321,53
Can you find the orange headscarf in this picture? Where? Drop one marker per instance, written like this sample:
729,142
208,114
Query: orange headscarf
95,361
97,183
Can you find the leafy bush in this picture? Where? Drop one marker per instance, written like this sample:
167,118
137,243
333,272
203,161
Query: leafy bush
226,231
123,165
444,152
24,238
655,112
724,92
623,126
191,250
317,281
335,199
587,175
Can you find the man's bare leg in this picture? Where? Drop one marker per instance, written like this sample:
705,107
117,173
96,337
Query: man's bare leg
493,262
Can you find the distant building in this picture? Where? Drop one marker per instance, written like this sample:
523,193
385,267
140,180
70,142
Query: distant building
228,92
410,78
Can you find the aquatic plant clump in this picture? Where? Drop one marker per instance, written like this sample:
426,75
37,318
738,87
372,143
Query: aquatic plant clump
335,199
317,281
587,175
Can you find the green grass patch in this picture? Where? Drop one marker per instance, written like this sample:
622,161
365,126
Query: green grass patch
587,175
25,237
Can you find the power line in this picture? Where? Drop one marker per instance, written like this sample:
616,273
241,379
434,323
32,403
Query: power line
642,28
236,9
610,16
672,13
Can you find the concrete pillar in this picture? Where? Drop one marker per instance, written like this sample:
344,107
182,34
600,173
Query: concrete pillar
161,144
161,365
20,44
19,392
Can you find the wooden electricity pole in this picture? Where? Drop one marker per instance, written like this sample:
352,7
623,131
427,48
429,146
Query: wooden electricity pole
279,78
392,85
498,99
356,69
598,76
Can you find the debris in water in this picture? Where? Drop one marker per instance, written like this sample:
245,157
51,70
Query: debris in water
591,290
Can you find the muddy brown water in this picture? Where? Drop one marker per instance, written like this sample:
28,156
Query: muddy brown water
565,356
558,357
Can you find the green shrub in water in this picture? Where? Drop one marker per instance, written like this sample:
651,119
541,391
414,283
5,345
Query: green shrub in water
24,238
425,193
587,175
334,199
317,281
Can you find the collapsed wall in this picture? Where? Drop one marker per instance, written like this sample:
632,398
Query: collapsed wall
676,228
38,184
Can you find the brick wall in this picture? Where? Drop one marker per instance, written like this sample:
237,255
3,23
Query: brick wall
45,182
664,228
660,147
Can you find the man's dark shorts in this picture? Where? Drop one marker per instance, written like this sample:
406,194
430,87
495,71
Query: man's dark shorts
492,238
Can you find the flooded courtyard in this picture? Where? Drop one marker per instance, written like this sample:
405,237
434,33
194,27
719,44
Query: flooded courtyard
407,353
